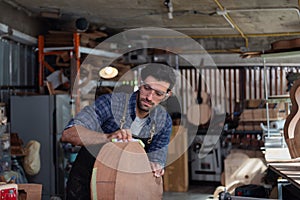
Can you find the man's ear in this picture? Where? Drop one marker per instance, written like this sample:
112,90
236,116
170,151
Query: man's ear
168,94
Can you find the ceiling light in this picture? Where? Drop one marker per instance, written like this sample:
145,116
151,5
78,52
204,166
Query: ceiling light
108,72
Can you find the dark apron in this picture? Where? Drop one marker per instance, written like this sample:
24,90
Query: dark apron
78,184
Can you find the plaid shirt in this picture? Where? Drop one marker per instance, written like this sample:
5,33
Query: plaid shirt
107,111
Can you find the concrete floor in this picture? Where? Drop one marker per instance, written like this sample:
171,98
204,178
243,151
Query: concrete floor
187,196
196,191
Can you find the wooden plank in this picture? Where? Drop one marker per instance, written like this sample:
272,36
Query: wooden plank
242,83
270,82
220,87
250,83
225,86
230,93
94,35
283,173
210,80
235,85
292,163
196,79
281,80
182,91
204,80
216,87
276,82
189,75
255,84
260,84
294,173
261,119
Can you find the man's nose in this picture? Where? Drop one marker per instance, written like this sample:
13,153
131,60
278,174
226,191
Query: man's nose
150,95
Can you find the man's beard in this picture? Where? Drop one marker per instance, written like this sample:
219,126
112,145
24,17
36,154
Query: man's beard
141,107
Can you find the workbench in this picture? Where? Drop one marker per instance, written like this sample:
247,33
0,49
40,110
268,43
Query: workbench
288,170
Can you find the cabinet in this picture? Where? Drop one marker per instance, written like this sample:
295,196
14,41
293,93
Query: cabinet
42,118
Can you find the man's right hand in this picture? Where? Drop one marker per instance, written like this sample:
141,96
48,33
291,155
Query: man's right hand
121,134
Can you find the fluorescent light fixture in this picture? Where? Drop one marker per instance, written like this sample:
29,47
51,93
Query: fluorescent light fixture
17,35
48,14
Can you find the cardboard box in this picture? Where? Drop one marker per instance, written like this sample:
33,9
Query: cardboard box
176,172
254,103
30,191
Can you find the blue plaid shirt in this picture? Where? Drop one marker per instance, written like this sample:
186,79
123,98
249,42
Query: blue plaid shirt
107,111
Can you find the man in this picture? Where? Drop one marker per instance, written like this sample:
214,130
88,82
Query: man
123,117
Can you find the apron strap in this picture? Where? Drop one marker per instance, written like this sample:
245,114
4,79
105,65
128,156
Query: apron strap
122,121
152,131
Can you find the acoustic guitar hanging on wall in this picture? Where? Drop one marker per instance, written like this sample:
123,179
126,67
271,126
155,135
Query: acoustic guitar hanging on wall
199,113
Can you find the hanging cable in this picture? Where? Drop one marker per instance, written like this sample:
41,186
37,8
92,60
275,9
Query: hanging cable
169,5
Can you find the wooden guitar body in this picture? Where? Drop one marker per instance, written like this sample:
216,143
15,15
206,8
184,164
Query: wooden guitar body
292,123
200,114
122,171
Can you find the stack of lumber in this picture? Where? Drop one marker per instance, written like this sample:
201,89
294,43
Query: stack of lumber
65,38
58,39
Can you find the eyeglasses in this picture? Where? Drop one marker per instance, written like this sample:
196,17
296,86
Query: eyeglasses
146,88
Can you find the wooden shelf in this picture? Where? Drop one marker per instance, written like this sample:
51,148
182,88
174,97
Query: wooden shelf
279,99
288,170
261,119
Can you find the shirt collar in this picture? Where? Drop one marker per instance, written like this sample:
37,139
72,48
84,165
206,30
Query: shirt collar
132,107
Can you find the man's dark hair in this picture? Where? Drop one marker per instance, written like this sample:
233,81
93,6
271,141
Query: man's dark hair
160,72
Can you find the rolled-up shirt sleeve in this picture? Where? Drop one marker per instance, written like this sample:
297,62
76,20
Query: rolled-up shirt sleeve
88,118
92,117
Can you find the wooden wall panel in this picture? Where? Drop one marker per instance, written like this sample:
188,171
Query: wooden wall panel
239,83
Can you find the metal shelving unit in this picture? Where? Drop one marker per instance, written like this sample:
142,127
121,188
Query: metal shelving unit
75,52
276,98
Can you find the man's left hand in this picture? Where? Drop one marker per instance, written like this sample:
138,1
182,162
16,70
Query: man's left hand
157,169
